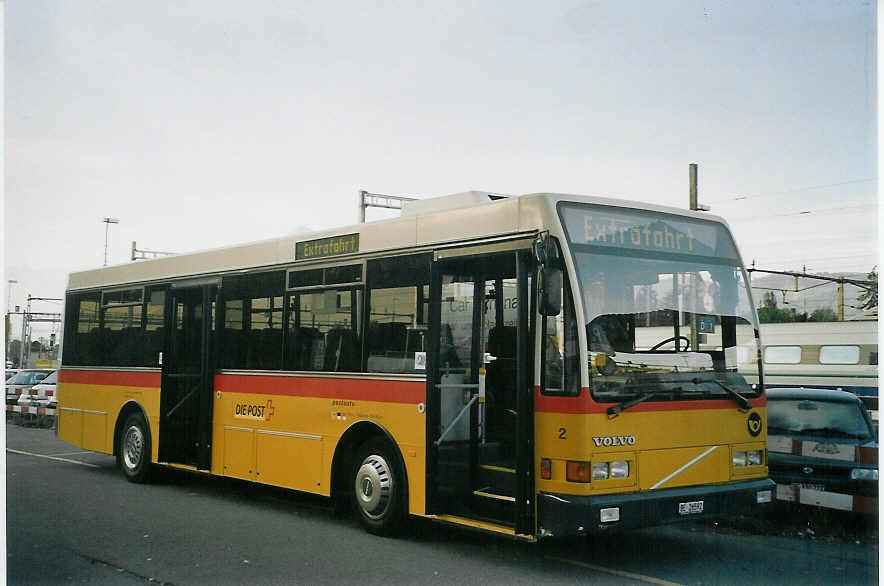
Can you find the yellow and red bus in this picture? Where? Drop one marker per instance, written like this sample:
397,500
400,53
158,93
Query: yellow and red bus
532,366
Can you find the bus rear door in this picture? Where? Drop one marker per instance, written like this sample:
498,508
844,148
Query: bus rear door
188,371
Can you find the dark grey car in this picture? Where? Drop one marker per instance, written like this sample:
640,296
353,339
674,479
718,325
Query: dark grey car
822,449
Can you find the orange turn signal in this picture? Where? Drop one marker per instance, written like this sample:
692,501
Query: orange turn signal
577,471
545,468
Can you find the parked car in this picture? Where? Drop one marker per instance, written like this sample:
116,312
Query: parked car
822,449
24,380
43,394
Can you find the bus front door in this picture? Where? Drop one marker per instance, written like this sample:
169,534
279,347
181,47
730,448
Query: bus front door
479,401
186,393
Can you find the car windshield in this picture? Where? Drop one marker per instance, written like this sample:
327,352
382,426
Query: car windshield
813,417
28,378
51,379
666,304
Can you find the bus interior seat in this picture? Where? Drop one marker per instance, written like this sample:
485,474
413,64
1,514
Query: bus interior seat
340,351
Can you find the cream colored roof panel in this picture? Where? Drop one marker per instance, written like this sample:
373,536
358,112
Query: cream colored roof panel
429,225
498,217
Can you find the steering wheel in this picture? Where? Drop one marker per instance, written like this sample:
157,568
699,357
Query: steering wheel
673,339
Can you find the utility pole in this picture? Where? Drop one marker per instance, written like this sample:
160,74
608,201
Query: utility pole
24,329
379,200
693,203
145,254
841,300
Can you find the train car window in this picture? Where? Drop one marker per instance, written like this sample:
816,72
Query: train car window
782,354
839,354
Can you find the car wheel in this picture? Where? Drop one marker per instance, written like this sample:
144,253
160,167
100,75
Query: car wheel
134,449
378,488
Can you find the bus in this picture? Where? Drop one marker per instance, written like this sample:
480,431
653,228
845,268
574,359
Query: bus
531,366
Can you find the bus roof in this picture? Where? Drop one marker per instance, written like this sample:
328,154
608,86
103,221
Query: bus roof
473,216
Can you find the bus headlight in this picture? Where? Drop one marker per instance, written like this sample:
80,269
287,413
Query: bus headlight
619,469
754,457
599,470
739,459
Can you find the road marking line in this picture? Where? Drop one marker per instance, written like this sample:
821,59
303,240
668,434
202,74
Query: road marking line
51,458
69,453
621,573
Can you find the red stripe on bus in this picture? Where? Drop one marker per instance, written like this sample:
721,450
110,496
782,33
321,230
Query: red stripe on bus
119,378
383,391
583,404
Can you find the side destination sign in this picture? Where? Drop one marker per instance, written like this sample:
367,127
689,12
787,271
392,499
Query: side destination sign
322,247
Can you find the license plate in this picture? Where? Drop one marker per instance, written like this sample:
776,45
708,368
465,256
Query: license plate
818,487
690,508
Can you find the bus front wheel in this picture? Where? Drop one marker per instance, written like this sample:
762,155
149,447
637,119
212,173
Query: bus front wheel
134,449
378,488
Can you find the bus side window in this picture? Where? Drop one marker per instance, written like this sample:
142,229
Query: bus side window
561,363
154,316
252,321
83,337
398,292
122,335
323,331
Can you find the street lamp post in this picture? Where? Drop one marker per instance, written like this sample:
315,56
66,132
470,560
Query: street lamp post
107,223
11,282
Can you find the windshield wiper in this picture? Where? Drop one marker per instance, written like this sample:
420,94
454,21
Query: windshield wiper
742,401
615,410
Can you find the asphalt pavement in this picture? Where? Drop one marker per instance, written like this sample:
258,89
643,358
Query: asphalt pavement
72,518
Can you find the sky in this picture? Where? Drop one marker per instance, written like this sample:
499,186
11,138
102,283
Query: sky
209,123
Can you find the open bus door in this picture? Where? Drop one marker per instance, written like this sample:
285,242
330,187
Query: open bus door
188,373
479,400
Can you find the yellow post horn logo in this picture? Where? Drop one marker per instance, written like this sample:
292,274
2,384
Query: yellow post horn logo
754,424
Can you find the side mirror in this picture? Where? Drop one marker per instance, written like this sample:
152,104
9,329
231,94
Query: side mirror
551,291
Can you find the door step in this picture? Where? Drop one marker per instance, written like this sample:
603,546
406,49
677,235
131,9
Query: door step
497,468
485,526
491,495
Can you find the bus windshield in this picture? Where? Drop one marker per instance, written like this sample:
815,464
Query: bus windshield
666,304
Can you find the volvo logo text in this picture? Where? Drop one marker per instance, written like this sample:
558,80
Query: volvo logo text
614,440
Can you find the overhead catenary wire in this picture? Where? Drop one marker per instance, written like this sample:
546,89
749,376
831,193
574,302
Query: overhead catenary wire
836,210
785,191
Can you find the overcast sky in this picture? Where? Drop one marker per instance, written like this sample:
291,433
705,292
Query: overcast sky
204,124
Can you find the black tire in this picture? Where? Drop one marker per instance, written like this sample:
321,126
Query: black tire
134,449
378,488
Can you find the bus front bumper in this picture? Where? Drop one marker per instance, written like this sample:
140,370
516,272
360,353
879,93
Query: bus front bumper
567,515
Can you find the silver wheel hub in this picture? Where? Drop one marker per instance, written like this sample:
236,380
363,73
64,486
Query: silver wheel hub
374,485
133,447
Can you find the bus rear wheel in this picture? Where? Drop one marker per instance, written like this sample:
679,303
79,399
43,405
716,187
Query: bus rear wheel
134,449
378,488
